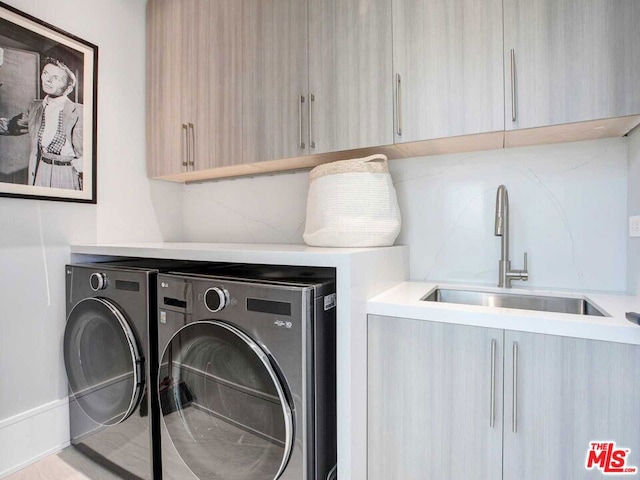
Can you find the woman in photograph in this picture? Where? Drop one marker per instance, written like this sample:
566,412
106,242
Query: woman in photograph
55,127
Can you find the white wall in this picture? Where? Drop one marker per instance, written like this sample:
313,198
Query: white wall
35,235
568,211
633,206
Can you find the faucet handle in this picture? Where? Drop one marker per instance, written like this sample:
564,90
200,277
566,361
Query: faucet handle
524,273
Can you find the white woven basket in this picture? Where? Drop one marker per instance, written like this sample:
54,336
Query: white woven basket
352,203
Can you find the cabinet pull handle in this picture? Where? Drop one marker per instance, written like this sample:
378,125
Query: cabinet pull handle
300,105
514,413
492,407
185,146
192,158
312,99
513,85
399,104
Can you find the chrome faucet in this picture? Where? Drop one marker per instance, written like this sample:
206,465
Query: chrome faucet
505,274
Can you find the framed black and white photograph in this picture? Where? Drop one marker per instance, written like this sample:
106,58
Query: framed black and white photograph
48,99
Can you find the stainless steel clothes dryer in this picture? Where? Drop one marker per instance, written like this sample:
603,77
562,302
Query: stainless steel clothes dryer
247,373
107,360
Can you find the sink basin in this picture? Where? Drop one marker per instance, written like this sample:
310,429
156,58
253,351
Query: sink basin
577,306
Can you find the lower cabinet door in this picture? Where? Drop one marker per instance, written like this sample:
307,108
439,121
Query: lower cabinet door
434,401
561,396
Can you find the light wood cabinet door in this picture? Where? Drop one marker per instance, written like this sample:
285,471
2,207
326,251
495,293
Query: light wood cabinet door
194,85
275,81
567,393
447,58
431,388
350,71
215,83
165,89
573,61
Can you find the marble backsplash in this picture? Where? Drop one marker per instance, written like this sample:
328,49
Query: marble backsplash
568,211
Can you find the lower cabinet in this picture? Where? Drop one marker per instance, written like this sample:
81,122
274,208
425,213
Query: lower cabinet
441,406
434,389
561,394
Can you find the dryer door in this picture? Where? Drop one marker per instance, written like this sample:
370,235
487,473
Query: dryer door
225,408
103,363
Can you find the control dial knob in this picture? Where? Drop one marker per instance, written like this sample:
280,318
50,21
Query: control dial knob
98,281
215,299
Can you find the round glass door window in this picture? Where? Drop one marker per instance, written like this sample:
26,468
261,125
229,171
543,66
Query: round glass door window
225,408
102,360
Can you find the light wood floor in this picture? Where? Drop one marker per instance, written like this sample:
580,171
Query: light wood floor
65,465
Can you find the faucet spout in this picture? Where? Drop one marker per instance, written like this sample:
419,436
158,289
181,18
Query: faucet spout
501,229
502,210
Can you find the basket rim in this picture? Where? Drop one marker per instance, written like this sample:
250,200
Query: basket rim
376,163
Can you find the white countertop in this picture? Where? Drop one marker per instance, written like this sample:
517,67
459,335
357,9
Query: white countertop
404,300
226,252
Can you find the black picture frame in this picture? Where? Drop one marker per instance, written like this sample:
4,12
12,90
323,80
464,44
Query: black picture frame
48,111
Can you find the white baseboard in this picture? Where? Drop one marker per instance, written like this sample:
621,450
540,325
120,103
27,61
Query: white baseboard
29,436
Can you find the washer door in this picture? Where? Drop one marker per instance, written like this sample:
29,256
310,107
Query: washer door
103,363
224,407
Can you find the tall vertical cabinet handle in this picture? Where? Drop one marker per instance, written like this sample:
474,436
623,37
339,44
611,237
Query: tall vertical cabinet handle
312,142
513,86
300,106
514,413
492,402
192,158
399,104
185,146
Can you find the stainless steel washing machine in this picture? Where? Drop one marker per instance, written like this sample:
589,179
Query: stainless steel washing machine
109,363
247,373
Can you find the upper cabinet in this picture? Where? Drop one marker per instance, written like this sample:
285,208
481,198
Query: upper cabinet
447,57
194,100
165,138
255,86
570,61
316,77
214,92
275,79
350,67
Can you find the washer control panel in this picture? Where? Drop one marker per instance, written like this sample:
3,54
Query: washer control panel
98,281
215,299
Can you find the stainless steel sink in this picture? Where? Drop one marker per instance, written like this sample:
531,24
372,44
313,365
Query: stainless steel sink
577,306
